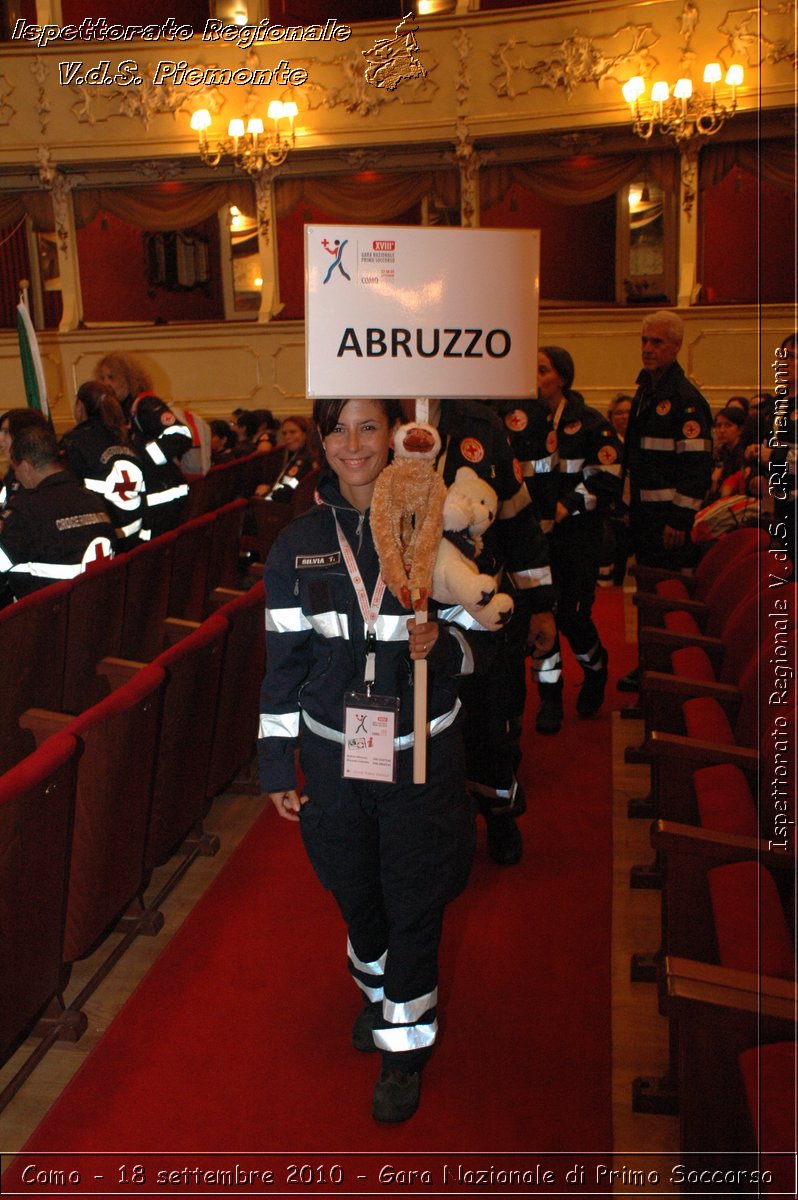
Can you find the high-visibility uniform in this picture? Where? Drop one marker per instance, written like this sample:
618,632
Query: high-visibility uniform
52,532
112,471
392,854
159,439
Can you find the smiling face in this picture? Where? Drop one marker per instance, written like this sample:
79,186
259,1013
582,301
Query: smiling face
357,449
293,436
550,384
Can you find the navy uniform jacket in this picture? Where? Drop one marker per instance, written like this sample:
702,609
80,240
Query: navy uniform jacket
578,464
473,436
668,450
159,438
296,467
111,470
53,531
316,639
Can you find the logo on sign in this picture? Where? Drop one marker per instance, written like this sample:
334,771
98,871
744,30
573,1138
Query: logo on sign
383,245
337,251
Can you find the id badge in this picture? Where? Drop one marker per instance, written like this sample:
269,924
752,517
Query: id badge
369,731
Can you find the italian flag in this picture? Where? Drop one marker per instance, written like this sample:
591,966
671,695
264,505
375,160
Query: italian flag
32,366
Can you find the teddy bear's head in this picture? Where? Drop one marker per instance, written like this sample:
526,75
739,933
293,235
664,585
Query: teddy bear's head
470,503
417,441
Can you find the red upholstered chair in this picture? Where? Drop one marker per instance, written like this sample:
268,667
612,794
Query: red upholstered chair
94,629
119,737
32,650
236,728
730,547
37,799
709,612
225,549
191,554
769,1073
147,583
268,518
193,669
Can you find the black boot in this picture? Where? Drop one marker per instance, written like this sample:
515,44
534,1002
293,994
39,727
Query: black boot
549,715
591,693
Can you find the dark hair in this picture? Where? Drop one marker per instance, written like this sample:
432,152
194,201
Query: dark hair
100,404
23,418
221,429
734,415
249,422
741,402
37,445
790,340
563,364
266,418
327,412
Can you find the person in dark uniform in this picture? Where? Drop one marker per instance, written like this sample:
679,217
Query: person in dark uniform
514,550
575,482
392,853
13,422
54,528
160,441
299,460
98,453
667,455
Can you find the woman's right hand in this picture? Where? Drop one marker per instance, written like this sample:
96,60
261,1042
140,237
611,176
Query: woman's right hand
288,804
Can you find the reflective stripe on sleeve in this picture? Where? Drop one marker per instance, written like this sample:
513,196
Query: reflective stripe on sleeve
467,667
532,578
46,570
408,1011
286,620
156,453
665,445
95,485
694,445
127,530
571,466
405,1037
175,493
285,725
545,466
657,495
682,501
599,468
6,563
590,500
457,615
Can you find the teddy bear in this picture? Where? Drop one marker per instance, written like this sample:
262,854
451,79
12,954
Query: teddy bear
469,507
407,514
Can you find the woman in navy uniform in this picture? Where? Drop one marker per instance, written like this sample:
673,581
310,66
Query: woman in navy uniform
392,853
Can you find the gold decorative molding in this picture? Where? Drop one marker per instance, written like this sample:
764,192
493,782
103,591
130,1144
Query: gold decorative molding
572,62
57,184
7,111
463,44
40,71
753,36
348,89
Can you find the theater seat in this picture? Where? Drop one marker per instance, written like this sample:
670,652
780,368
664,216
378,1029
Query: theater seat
769,1073
728,548
32,652
114,791
37,799
236,727
750,922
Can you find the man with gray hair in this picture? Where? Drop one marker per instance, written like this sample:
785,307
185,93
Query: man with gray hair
667,454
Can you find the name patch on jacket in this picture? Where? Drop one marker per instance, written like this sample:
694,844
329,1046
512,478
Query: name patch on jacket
305,561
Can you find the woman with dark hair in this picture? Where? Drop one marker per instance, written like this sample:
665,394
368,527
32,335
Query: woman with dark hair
576,482
223,442
340,654
99,453
13,422
299,460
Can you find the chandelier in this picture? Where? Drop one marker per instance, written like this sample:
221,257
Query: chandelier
682,114
248,145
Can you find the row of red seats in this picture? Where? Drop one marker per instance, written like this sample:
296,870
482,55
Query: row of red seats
714,709
129,704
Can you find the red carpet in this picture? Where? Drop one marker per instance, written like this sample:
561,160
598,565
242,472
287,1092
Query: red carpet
238,1038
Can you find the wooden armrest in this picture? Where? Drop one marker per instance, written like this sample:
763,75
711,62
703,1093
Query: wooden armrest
662,747
42,722
220,596
659,682
687,981
664,604
674,640
175,629
716,847
118,670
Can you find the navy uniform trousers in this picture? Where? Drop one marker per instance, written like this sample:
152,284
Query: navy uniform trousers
393,856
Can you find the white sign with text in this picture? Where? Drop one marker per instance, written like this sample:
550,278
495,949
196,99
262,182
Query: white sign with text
406,311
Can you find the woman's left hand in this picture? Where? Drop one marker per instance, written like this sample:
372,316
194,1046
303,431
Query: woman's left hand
422,638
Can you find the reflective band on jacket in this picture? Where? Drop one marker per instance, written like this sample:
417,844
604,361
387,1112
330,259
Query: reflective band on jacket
544,466
333,624
686,501
95,485
280,725
614,469
571,466
663,495
126,530
467,665
590,499
48,570
696,444
407,1012
156,453
666,445
368,968
531,578
6,563
405,1037
175,493
404,742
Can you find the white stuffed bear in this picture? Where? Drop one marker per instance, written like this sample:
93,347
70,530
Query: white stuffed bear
469,508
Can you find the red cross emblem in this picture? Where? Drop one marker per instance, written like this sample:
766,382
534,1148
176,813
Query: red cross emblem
125,488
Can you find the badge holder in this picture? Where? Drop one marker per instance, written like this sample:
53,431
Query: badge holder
369,731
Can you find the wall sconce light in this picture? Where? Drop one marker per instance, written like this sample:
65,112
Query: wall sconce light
682,114
247,144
